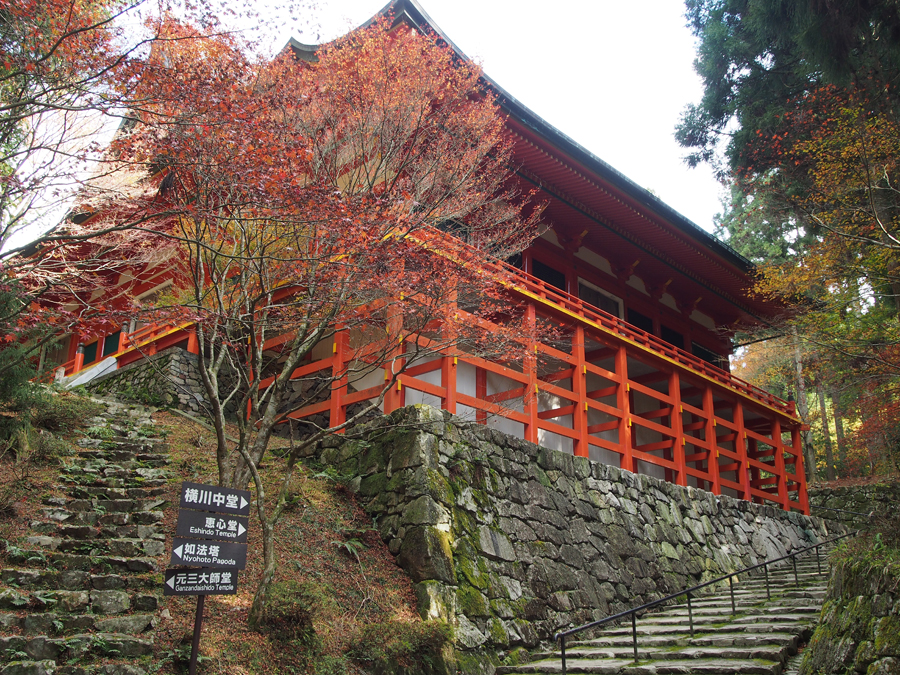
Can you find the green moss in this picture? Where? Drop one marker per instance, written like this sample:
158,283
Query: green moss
498,633
438,487
373,485
471,602
887,636
542,477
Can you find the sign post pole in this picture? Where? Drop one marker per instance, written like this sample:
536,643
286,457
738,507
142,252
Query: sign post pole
212,522
198,626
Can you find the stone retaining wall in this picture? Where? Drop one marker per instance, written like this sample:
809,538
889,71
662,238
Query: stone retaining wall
169,378
859,630
511,542
879,498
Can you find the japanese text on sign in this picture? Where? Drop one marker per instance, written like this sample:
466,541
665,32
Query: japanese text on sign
214,498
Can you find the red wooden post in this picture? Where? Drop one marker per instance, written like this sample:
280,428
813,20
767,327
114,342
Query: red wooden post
393,398
193,345
778,456
449,367
797,445
623,403
338,412
712,463
579,389
530,397
678,441
740,447
480,393
79,359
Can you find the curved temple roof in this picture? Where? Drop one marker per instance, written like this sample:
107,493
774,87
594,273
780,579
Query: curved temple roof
622,220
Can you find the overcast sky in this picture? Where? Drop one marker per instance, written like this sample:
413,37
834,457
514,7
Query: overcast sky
612,75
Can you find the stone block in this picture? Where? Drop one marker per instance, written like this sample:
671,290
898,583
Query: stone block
425,553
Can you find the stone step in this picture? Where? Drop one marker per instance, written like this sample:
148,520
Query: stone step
627,667
78,646
74,580
134,489
95,602
89,532
780,626
120,548
717,639
108,564
50,623
770,652
93,518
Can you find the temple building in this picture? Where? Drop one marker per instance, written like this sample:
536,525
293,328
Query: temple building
650,301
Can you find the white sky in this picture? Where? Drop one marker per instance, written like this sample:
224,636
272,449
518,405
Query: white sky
612,75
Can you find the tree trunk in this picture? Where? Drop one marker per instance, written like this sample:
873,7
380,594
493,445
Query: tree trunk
826,432
809,452
839,429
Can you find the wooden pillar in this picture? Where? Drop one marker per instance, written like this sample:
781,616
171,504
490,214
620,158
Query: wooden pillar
778,457
79,359
123,336
797,445
678,442
448,382
579,389
480,393
623,403
530,398
193,345
449,363
393,398
341,348
712,463
740,447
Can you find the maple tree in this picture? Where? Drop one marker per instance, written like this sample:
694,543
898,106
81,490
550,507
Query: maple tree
356,200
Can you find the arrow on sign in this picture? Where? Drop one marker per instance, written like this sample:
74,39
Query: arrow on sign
177,551
241,529
170,582
244,502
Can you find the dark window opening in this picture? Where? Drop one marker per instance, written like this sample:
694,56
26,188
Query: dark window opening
640,320
90,352
515,260
672,336
548,275
599,300
111,343
709,356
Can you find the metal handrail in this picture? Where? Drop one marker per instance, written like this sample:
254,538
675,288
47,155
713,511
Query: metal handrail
562,635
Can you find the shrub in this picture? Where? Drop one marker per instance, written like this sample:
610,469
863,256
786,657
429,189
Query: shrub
402,643
62,411
290,610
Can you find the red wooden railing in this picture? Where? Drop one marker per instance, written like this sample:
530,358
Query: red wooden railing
679,416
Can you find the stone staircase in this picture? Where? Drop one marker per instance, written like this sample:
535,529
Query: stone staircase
79,596
758,639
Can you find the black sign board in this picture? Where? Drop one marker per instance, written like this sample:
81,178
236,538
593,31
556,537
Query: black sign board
208,553
202,581
214,498
205,526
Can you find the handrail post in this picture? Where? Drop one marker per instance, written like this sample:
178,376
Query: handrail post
796,578
633,636
818,560
562,647
731,588
690,613
766,570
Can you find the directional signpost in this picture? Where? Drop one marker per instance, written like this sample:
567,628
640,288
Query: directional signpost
212,532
